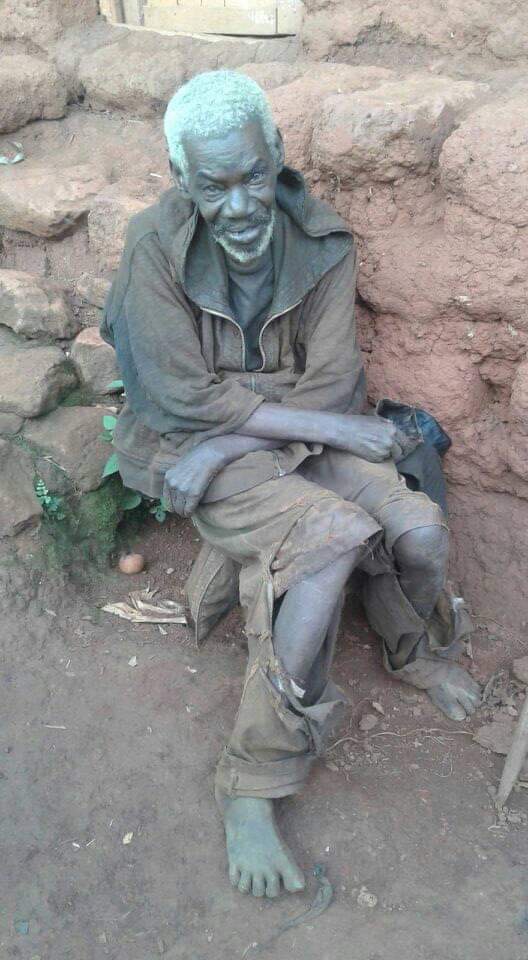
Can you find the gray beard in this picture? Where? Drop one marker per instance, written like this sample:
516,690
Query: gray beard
246,254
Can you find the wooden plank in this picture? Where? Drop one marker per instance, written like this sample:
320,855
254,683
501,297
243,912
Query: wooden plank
133,11
248,22
289,16
247,4
112,10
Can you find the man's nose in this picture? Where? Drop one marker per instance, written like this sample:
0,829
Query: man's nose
236,204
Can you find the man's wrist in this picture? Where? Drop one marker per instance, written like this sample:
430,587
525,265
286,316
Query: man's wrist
211,454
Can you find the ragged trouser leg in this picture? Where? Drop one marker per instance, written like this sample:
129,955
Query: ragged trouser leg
281,533
276,737
405,595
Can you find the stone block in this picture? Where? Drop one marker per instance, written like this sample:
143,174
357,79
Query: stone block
10,424
484,163
93,290
317,82
273,74
79,42
138,74
423,364
33,379
46,199
71,437
396,129
334,29
109,216
41,21
35,307
95,361
30,89
19,507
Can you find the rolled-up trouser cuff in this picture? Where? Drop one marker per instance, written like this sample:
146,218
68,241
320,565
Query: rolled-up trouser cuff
422,673
274,779
276,736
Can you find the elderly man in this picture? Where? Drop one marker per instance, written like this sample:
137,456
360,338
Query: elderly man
232,315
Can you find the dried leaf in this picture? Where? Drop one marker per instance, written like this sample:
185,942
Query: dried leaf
140,610
133,661
128,838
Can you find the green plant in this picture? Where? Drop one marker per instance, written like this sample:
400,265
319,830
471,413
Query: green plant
52,505
131,498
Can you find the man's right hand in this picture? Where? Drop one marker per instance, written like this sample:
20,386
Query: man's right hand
371,438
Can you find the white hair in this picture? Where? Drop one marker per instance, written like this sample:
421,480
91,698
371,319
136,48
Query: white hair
212,104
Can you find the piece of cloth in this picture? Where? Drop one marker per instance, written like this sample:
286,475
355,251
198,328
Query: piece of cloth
279,533
250,296
182,356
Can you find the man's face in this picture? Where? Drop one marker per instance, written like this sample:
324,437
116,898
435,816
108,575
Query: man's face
232,181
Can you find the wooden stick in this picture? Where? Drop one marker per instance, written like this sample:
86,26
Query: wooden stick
516,757
112,10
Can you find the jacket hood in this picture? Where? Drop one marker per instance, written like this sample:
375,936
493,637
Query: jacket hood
309,239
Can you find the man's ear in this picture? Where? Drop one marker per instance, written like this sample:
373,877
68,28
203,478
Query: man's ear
279,146
179,181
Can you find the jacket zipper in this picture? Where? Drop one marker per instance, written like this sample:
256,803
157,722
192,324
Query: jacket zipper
240,330
266,324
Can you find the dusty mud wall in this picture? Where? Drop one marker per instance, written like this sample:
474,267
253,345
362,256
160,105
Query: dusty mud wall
411,120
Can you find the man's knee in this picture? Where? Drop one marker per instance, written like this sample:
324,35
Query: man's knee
424,548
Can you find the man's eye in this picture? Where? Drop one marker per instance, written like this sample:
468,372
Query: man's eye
256,177
211,191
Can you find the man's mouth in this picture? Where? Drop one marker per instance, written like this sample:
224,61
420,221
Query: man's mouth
245,234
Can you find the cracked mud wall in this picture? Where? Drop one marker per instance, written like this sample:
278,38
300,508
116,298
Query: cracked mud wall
412,121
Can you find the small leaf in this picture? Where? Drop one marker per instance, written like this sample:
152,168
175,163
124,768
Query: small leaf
107,436
115,385
128,838
130,500
109,422
111,466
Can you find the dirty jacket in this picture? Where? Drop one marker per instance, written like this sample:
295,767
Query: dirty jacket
182,354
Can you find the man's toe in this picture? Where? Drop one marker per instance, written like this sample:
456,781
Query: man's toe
273,886
258,888
293,879
244,884
447,702
469,700
234,875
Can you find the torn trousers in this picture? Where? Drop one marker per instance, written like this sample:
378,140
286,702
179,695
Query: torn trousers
268,538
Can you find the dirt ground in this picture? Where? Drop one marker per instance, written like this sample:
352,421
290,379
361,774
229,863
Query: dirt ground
93,748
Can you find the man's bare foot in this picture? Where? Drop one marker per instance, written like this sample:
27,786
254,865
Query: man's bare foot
258,857
458,696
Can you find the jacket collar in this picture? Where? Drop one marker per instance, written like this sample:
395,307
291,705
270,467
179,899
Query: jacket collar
309,239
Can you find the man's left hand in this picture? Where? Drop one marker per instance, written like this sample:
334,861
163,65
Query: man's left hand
186,482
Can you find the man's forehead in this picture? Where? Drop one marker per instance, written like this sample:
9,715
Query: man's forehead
245,146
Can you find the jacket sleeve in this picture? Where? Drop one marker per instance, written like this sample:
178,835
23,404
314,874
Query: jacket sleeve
152,326
333,378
